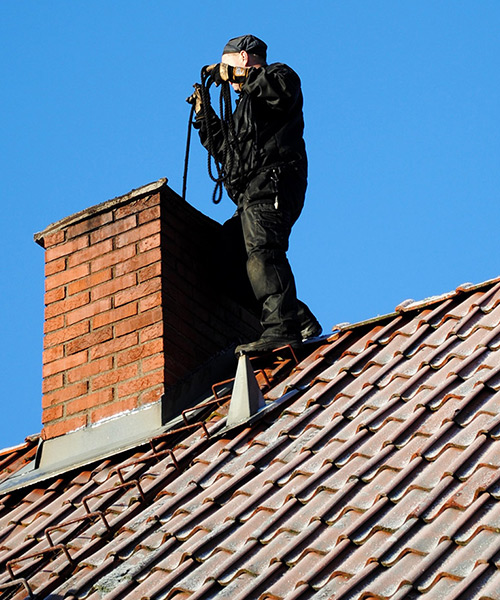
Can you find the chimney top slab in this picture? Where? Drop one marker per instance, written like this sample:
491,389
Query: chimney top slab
99,208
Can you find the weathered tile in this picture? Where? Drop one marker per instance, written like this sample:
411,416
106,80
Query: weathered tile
382,472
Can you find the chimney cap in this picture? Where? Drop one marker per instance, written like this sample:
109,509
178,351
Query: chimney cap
99,208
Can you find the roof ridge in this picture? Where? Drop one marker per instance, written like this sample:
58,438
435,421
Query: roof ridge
410,304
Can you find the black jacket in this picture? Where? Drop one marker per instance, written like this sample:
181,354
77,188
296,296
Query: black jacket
269,127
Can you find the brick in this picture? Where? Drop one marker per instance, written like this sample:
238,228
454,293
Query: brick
89,282
138,352
189,273
177,225
53,324
115,376
58,279
138,322
205,334
113,409
52,414
52,239
126,210
55,295
114,229
175,280
87,341
150,302
90,253
138,262
154,362
137,234
113,286
152,332
67,393
66,334
66,248
150,396
130,355
140,384
115,315
89,401
64,364
62,427
113,258
136,206
87,312
58,308
149,272
50,384
113,346
89,369
52,354
188,307
154,241
55,266
175,351
89,224
149,214
139,291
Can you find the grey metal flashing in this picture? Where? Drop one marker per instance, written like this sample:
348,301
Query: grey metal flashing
127,431
85,446
99,208
270,405
247,399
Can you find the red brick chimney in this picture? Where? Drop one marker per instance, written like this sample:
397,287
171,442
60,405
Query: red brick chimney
131,308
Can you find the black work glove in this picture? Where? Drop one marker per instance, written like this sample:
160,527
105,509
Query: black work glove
222,72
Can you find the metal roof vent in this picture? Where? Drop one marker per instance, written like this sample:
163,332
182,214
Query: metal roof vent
247,399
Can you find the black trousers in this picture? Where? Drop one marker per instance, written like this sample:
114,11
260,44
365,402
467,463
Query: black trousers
256,242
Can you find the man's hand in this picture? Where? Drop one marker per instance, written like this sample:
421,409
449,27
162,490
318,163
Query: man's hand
195,98
222,72
214,71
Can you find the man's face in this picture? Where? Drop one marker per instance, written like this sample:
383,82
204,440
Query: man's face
234,59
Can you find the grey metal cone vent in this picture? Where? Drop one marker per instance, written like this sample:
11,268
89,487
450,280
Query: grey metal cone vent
247,399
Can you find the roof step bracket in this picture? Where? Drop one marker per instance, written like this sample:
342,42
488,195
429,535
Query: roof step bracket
247,399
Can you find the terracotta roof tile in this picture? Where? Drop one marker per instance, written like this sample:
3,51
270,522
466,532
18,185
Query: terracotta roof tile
379,477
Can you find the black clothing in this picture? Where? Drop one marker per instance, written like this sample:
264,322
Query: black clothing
269,126
267,180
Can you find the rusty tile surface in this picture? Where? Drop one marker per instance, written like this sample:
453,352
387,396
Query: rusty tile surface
380,478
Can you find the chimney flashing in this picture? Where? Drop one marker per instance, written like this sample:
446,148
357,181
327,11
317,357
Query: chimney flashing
90,444
127,431
107,437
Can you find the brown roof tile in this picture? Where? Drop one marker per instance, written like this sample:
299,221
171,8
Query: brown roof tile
377,477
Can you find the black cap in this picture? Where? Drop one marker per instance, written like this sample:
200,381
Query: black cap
249,43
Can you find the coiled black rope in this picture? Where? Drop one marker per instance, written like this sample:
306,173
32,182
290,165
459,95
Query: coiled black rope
230,148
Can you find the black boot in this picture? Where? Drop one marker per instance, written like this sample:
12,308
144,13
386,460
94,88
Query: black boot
309,325
267,344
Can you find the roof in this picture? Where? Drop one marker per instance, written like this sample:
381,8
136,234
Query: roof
373,473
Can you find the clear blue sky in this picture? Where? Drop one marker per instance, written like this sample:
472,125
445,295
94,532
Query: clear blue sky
402,107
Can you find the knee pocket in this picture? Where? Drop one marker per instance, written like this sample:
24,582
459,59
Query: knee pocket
267,272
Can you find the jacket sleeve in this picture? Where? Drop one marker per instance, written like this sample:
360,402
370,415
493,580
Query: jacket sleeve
277,86
216,129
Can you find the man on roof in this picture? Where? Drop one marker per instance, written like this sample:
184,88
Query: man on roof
266,177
